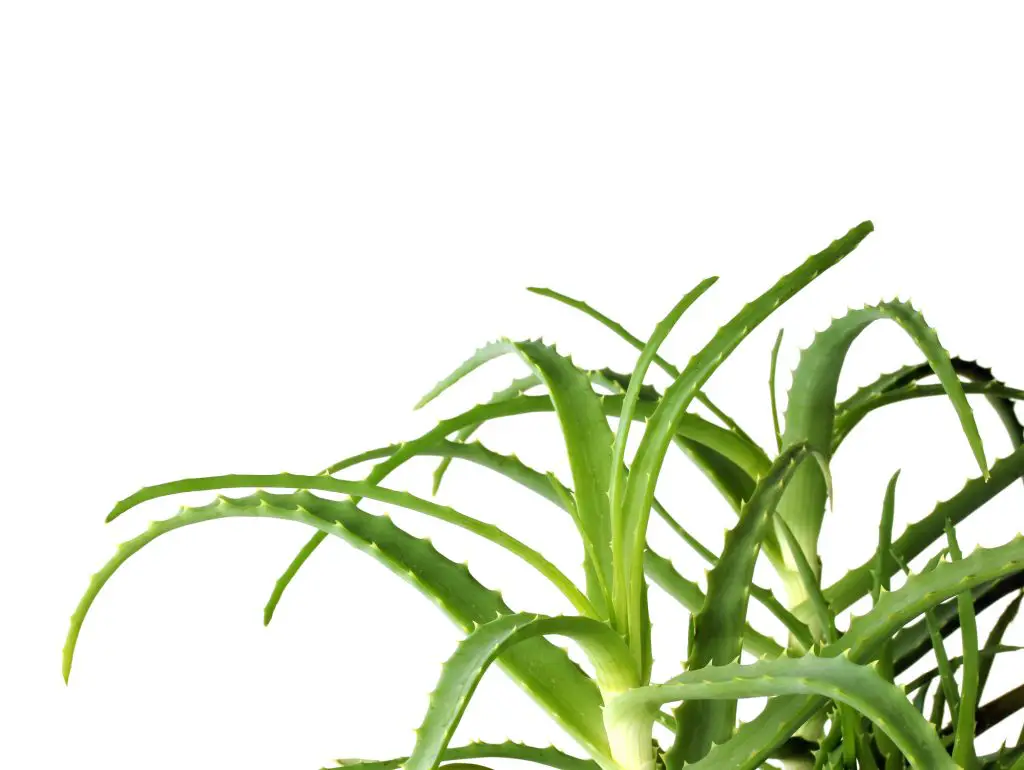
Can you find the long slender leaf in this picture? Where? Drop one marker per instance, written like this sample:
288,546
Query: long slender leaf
361,489
542,669
617,472
662,426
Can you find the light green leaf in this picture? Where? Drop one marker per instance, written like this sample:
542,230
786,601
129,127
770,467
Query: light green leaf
616,671
542,669
663,424
835,678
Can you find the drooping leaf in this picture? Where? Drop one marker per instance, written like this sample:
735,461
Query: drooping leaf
359,490
542,669
810,407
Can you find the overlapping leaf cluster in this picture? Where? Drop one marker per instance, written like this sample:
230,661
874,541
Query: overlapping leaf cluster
837,698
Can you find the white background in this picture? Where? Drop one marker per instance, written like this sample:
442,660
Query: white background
247,237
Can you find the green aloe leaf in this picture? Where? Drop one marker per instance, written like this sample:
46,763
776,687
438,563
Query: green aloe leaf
588,442
362,489
810,408
618,468
752,743
638,343
718,627
963,745
835,678
912,642
547,755
902,385
663,424
615,667
542,669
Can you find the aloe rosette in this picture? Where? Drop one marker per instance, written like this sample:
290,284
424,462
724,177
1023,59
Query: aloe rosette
835,698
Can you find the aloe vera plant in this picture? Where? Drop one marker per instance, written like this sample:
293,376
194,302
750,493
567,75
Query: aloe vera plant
839,695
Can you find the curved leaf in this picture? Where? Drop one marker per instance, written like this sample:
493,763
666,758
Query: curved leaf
588,443
617,472
835,678
810,408
752,743
362,489
542,669
663,424
462,673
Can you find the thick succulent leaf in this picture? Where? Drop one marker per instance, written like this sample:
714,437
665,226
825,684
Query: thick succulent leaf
363,489
588,443
726,458
542,669
690,596
463,671
835,678
546,755
782,717
662,426
718,627
810,408
922,533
